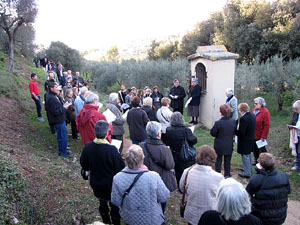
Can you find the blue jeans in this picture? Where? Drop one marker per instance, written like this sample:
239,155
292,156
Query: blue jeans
247,164
38,105
62,138
298,154
135,142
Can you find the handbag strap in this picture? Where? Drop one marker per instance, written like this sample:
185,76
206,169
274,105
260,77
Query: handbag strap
184,186
164,116
130,187
151,156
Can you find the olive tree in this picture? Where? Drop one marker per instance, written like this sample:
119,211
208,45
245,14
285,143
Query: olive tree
14,14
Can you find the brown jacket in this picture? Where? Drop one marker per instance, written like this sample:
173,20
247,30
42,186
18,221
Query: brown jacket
162,156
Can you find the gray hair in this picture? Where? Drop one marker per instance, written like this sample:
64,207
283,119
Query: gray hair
260,101
177,119
153,128
83,90
134,157
296,104
91,98
229,91
147,101
233,201
101,128
113,97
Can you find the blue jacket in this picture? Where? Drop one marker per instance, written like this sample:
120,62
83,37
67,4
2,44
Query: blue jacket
143,204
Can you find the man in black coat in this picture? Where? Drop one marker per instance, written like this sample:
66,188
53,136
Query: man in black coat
104,162
56,111
269,191
245,133
177,95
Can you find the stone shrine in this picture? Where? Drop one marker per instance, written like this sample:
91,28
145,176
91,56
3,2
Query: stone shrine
214,67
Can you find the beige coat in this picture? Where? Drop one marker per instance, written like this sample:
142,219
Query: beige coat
201,191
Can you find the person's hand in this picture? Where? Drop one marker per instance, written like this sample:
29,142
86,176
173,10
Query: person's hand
176,96
36,98
262,139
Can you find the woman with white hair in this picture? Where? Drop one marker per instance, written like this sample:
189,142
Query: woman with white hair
158,157
295,132
232,102
118,123
138,192
233,206
87,118
148,108
262,115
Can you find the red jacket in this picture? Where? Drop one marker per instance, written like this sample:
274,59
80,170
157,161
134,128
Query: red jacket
262,123
33,87
86,120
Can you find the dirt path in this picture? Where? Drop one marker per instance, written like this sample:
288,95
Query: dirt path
293,217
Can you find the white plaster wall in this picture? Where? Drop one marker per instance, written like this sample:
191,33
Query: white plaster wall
220,75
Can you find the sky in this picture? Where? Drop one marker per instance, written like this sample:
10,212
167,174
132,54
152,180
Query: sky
93,24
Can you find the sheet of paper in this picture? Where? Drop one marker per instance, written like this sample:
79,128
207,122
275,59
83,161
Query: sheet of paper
125,115
124,106
188,102
291,126
110,117
192,128
116,143
236,139
261,143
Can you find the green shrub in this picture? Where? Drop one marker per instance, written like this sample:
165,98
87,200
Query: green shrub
11,189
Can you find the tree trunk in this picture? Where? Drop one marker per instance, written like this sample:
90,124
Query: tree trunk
11,55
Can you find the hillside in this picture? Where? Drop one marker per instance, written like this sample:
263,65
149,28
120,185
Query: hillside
38,187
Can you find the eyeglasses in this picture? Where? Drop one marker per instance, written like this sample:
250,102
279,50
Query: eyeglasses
255,103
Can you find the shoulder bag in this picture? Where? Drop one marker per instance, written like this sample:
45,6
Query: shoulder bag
187,152
172,183
183,202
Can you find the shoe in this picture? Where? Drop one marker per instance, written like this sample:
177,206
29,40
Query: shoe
295,168
191,122
227,176
195,122
41,119
243,175
241,169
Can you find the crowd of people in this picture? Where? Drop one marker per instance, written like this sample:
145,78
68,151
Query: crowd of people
135,183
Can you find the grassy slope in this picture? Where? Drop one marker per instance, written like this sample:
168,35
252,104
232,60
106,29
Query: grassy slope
54,186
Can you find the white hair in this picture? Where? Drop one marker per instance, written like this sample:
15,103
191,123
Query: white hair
153,128
112,97
261,101
233,200
229,91
91,98
83,90
296,104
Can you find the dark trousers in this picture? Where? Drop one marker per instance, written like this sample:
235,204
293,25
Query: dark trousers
38,105
257,151
107,214
227,159
120,138
178,110
74,129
